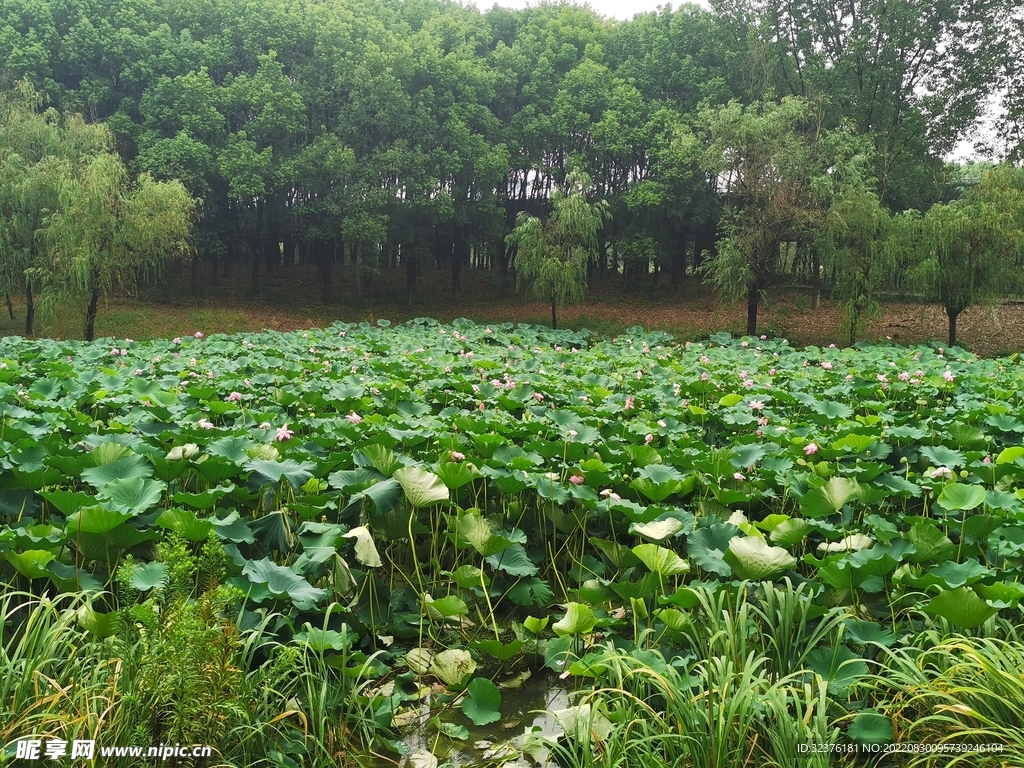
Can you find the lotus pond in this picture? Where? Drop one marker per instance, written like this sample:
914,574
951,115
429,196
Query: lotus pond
287,545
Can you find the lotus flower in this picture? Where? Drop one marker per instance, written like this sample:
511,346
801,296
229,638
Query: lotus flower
234,397
355,418
458,456
576,480
811,448
283,433
205,424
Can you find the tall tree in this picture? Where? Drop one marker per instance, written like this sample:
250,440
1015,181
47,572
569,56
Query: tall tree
553,254
39,151
108,232
969,249
764,157
855,235
913,74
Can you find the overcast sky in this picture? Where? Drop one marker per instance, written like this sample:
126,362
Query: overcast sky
619,9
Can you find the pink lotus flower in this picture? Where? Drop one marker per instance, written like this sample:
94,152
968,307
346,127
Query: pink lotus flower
204,424
704,376
987,460
811,448
826,365
266,425
538,396
609,493
948,375
629,403
458,456
739,476
576,480
198,334
234,397
756,405
882,378
283,433
176,340
355,418
661,423
480,406
904,376
571,433
648,439
748,383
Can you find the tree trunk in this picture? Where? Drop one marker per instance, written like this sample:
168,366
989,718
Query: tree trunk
816,279
324,257
410,276
255,268
30,309
10,306
353,248
90,315
753,298
678,263
554,316
952,314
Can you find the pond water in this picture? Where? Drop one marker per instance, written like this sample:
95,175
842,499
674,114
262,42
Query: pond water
525,708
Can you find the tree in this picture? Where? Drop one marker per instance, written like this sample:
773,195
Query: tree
968,248
553,254
856,235
107,233
764,158
39,151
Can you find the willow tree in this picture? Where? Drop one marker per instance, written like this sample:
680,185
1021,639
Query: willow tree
39,151
856,232
107,233
764,157
969,249
552,254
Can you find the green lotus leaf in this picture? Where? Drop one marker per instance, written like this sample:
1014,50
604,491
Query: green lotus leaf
95,519
751,558
579,619
482,702
661,560
959,496
422,488
134,494
962,607
282,582
830,498
31,563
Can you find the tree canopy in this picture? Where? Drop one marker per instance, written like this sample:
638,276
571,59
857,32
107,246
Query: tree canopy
375,132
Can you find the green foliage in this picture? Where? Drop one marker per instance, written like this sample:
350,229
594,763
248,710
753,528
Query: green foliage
346,541
968,249
553,255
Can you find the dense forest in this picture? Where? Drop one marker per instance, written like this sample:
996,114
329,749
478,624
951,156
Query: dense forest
762,137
